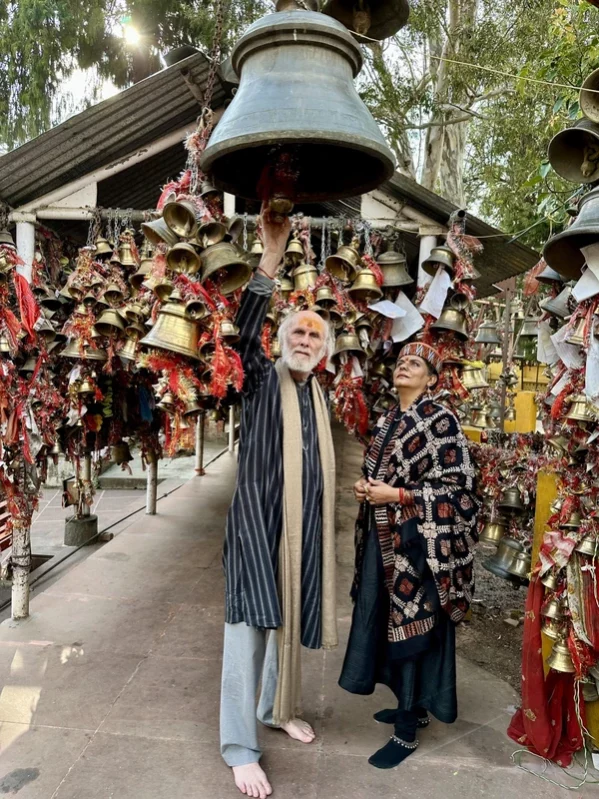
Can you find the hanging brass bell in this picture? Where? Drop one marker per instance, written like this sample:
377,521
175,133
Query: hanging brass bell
560,658
554,609
553,629
458,300
550,581
89,300
163,288
86,386
440,256
511,501
72,350
50,301
275,349
192,409
576,337
499,563
5,345
196,309
6,238
558,306
134,312
158,232
336,317
377,19
255,253
365,288
286,287
325,297
113,294
573,152
28,366
580,409
56,449
121,453
337,147
126,254
295,251
211,233
559,444
134,330
563,252
394,268
454,321
174,332
589,104
530,328
208,193
473,378
549,276
304,277
322,312
222,263
128,351
103,248
229,332
137,278
590,692
349,343
45,331
493,532
167,403
183,259
110,323
510,414
520,566
180,216
487,333
589,546
345,264
480,417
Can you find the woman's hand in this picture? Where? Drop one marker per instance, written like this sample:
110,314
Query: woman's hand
360,489
379,493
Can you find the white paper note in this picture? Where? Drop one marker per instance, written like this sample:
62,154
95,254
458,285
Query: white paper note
561,384
388,309
591,384
546,352
591,256
587,286
408,325
436,295
569,353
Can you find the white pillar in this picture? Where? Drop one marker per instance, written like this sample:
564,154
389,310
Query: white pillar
232,428
26,242
426,245
151,484
199,453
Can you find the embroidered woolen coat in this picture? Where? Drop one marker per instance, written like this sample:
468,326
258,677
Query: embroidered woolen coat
428,456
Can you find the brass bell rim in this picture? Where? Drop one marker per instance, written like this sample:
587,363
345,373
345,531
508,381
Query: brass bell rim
172,209
390,19
158,232
566,151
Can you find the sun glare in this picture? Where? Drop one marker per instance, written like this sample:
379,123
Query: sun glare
132,36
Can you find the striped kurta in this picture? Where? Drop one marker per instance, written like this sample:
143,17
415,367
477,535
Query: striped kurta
254,521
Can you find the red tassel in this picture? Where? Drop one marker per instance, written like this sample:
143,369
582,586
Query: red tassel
27,304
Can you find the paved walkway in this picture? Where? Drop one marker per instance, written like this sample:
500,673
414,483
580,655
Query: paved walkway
111,688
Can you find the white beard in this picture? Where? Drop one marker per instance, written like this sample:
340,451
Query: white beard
296,363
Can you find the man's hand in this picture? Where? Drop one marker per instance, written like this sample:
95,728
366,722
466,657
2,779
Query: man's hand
379,493
274,236
360,489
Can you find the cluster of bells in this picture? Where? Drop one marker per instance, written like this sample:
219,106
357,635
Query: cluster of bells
484,415
574,154
453,317
511,561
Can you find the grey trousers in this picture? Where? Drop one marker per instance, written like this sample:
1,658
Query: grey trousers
248,655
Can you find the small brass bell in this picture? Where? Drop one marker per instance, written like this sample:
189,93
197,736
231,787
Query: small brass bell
28,366
134,312
56,449
286,287
110,323
553,609
576,337
549,276
121,453
113,294
158,232
167,403
559,444
459,300
234,229
208,193
560,658
211,233
180,216
126,254
590,692
346,261
222,262
183,259
275,349
295,251
550,581
589,546
322,312
89,300
473,378
350,344
580,409
530,328
103,248
393,267
196,309
493,532
134,330
137,278
304,277
229,332
440,256
174,332
511,501
45,330
503,559
520,566
325,297
487,334
571,152
128,351
365,288
72,350
588,96
380,370
163,288
50,301
480,417
510,414
336,317
553,629
256,251
454,321
558,306
86,386
191,409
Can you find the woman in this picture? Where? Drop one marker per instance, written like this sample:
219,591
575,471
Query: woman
414,538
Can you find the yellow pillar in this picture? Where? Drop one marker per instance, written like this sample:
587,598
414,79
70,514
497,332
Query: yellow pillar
473,433
526,414
546,493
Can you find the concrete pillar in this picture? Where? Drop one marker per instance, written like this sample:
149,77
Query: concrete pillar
151,484
21,566
426,245
200,434
232,428
26,242
86,476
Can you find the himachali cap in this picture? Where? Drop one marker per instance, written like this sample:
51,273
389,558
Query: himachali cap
424,351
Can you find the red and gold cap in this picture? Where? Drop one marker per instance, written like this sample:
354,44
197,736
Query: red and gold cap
424,351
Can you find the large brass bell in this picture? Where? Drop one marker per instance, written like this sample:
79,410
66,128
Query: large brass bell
346,261
121,453
365,288
560,658
325,297
440,256
520,566
158,232
589,99
574,152
453,320
511,501
487,333
393,267
174,331
580,409
222,262
493,532
110,323
304,277
338,149
183,259
295,251
349,343
126,254
562,252
180,216
211,232
377,19
113,294
500,563
473,378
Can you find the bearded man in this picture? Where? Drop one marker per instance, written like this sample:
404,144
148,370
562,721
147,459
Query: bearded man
279,554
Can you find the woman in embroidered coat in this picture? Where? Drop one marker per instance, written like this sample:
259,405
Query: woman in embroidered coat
414,539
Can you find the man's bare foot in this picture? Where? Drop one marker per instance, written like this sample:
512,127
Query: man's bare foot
299,730
251,780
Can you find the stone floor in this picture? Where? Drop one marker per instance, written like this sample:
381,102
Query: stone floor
110,689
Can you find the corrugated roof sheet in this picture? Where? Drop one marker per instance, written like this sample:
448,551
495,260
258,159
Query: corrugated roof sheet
106,132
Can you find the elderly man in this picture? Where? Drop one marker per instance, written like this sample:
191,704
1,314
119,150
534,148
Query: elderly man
279,551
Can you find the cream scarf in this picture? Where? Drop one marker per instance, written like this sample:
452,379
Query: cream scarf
288,696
